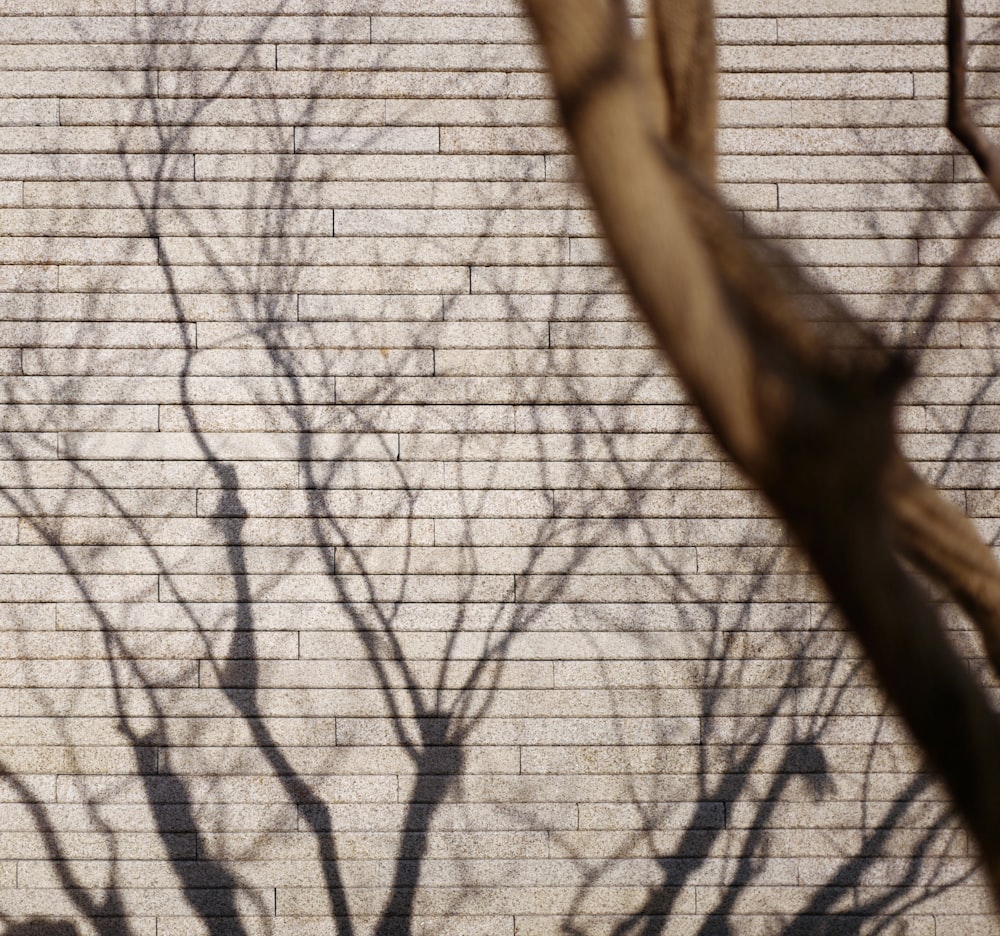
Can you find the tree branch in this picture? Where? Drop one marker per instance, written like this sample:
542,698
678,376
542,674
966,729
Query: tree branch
960,121
939,539
810,422
682,32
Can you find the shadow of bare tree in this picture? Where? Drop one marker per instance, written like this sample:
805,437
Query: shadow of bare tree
392,606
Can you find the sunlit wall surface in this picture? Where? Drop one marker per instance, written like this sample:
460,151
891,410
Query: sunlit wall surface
364,570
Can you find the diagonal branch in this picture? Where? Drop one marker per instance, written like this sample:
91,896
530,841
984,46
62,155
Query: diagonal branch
960,120
682,34
941,541
808,419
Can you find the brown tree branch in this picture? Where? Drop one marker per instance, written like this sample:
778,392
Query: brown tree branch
939,539
960,121
809,422
683,34
650,68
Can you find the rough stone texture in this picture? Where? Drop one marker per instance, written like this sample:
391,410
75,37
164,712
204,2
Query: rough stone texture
359,555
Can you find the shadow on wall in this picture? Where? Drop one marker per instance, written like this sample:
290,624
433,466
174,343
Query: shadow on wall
705,775
40,927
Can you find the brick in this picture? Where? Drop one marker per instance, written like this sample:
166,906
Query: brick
103,391
77,588
473,112
40,645
199,588
593,335
237,445
85,167
414,504
104,250
501,279
362,308
147,26
512,140
910,29
787,8
558,446
430,223
97,503
370,417
932,85
110,307
805,167
35,84
88,674
862,224
137,56
756,196
350,84
541,560
429,29
223,363
28,279
243,279
92,139
582,362
483,907
326,678
379,475
374,140
16,112
652,417
855,57
502,57
734,31
757,113
140,531
30,445
11,193
220,112
509,390
143,902
86,8
610,817
368,845
162,875
390,335
881,85
454,818
91,846
541,731
958,923
119,335
339,7
364,167
20,417
349,194
350,251
889,195
134,474
827,141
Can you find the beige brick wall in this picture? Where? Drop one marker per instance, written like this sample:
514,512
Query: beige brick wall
363,568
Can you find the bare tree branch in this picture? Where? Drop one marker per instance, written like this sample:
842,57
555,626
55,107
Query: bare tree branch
807,418
942,542
682,34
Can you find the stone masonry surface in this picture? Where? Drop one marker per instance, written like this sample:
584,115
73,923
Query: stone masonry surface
363,567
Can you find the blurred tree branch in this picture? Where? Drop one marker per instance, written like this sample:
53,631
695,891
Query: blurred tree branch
804,407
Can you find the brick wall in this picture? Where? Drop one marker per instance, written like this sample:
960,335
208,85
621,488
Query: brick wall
360,559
